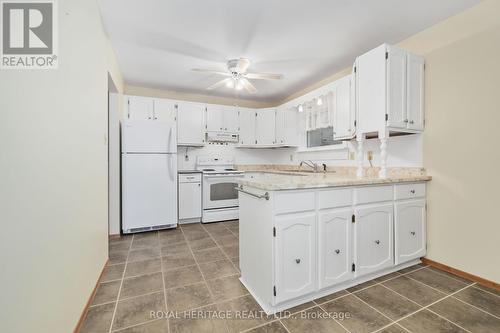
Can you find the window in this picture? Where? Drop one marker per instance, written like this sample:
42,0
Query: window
321,137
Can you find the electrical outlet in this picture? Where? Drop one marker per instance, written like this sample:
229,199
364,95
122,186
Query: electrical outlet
369,155
352,155
291,157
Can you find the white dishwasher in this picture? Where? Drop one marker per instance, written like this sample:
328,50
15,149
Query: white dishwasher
189,197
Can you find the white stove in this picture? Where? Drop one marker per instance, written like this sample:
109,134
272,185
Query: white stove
220,198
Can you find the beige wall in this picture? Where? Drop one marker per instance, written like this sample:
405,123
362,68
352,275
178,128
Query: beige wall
53,170
461,138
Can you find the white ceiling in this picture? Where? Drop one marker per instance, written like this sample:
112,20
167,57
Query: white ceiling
157,42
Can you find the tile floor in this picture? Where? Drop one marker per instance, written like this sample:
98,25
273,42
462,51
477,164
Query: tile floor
195,267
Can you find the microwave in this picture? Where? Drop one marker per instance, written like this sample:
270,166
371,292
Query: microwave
222,137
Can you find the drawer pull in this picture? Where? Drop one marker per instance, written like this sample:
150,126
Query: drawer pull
337,251
297,261
412,191
377,242
412,233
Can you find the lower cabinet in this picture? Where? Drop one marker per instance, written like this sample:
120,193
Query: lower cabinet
335,248
373,238
410,231
295,255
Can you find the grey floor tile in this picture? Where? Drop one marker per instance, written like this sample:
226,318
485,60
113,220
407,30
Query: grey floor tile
120,245
217,269
204,322
245,304
312,320
361,286
295,309
175,249
481,299
220,233
331,297
453,276
232,251
208,255
236,262
107,292
157,326
227,240
414,290
169,238
113,272
117,257
411,268
140,285
136,310
226,288
177,260
144,254
395,328
387,277
274,327
188,297
201,244
143,267
437,280
195,235
490,290
466,316
98,319
146,241
182,276
387,302
359,317
427,322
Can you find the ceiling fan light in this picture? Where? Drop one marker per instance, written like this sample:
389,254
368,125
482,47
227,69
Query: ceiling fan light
238,85
300,108
230,83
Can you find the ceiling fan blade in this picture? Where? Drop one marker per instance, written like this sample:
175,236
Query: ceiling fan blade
248,86
219,84
212,71
264,76
242,65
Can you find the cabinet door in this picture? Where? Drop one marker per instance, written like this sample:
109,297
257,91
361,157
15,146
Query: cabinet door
246,119
415,92
231,119
265,127
215,118
396,88
373,238
409,224
295,255
140,108
189,200
165,110
335,256
280,126
342,122
190,125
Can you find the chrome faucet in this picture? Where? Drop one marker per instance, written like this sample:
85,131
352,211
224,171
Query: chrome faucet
310,164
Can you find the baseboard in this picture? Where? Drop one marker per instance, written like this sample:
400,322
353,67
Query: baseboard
115,237
90,300
465,275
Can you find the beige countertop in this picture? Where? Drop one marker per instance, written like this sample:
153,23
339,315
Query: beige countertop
274,180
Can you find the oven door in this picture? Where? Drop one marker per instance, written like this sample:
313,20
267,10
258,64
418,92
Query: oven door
219,191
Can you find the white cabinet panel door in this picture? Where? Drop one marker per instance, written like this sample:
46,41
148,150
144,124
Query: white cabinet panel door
280,126
287,127
410,237
190,123
139,108
295,255
165,110
415,92
246,121
373,238
265,127
396,88
342,122
149,192
215,118
231,119
335,256
189,200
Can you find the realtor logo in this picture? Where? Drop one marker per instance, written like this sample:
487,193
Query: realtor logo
28,34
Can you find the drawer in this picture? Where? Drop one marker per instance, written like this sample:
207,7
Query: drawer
409,191
371,194
189,177
335,198
289,202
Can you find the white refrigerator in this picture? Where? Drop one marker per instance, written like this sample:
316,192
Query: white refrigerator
149,175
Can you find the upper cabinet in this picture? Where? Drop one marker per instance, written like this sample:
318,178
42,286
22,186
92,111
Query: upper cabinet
221,118
344,116
164,110
389,90
265,123
190,124
147,108
247,126
287,127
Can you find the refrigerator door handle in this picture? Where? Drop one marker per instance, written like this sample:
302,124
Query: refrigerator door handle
170,167
169,144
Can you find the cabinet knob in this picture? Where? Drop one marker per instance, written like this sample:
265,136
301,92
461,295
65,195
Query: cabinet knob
337,251
156,118
199,185
406,120
412,233
411,121
297,261
149,117
377,242
412,191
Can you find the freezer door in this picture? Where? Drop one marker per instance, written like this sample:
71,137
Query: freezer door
149,190
148,136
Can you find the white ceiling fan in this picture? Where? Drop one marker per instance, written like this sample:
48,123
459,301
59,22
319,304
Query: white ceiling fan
237,76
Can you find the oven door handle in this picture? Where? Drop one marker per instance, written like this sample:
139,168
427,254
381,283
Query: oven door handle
258,196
